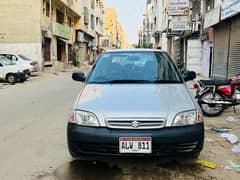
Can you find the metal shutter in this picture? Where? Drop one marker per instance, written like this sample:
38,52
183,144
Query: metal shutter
220,50
234,51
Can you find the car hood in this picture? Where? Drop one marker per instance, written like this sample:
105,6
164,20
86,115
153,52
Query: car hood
135,100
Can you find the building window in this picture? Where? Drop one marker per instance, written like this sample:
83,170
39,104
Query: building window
106,43
86,16
93,4
97,21
44,8
92,22
209,5
70,21
59,17
47,9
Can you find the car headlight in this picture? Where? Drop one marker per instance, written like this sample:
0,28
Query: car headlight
83,118
187,118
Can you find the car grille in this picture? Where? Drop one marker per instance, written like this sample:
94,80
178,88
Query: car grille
157,149
135,123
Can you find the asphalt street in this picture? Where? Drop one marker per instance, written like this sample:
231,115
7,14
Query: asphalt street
33,119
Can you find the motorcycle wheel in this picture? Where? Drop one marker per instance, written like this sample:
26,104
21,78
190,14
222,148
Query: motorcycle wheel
211,110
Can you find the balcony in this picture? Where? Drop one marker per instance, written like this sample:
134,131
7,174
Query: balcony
62,31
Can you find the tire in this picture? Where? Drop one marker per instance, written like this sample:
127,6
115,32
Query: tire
11,78
207,110
23,80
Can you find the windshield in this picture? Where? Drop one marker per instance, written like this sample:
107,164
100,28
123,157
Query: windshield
134,67
6,61
23,57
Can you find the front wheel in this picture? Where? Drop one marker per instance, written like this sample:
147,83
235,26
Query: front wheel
11,78
211,110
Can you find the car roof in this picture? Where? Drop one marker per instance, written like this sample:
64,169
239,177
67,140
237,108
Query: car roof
134,50
9,54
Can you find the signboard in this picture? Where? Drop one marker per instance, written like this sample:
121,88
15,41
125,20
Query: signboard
180,23
63,31
178,7
230,8
174,33
212,17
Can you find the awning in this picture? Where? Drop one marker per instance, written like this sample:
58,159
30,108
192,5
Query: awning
64,40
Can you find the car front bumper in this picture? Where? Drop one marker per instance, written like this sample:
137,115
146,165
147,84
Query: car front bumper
20,76
175,142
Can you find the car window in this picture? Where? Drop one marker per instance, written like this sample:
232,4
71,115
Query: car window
134,66
23,57
5,61
14,58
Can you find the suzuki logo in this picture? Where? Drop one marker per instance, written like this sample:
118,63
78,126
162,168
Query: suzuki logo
135,124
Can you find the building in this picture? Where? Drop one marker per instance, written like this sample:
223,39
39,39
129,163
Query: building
114,35
91,29
176,28
222,22
145,32
47,30
122,36
200,35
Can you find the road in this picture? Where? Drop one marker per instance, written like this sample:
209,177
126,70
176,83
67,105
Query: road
33,140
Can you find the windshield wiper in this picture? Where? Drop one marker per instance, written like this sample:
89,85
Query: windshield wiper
125,81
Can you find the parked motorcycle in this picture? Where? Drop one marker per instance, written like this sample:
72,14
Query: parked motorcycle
216,95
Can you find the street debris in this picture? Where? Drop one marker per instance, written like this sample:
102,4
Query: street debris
236,148
230,137
231,119
232,166
60,73
207,139
206,163
221,130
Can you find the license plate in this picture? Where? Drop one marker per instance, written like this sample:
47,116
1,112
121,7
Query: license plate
135,145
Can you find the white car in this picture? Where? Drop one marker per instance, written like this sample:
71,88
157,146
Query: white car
23,61
11,72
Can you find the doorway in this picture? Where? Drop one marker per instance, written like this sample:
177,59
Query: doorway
47,50
61,50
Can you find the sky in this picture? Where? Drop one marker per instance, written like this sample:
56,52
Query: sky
130,14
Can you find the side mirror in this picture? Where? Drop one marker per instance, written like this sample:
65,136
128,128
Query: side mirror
78,76
189,75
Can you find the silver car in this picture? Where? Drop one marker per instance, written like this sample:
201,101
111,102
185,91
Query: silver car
23,61
135,102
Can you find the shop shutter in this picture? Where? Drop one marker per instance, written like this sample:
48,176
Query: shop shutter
234,51
220,50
